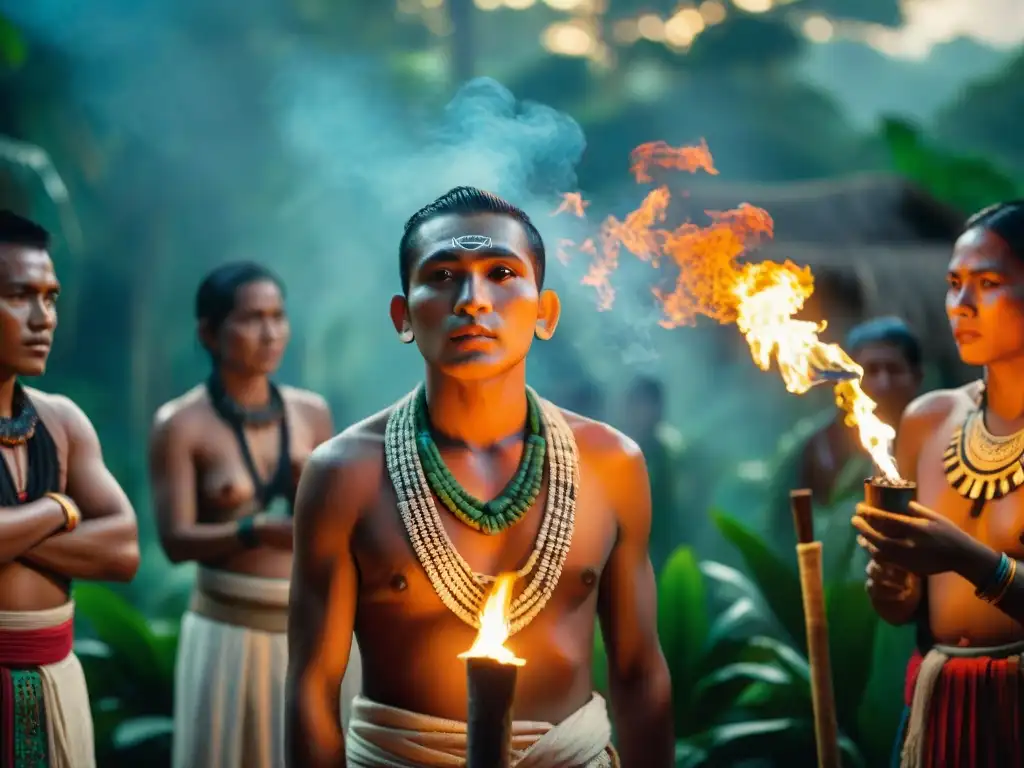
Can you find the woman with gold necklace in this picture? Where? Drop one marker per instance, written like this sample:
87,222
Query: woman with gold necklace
225,460
953,564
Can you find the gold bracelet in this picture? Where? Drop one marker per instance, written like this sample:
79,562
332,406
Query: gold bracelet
72,515
1006,586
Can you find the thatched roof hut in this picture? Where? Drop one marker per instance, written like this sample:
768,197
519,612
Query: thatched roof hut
867,209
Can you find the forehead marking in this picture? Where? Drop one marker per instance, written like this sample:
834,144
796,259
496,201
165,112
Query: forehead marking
471,242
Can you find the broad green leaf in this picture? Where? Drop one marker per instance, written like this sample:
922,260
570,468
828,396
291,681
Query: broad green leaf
851,631
165,641
133,732
716,695
784,740
737,622
776,580
735,742
104,677
107,714
688,755
731,582
770,650
122,629
144,741
682,615
882,702
764,701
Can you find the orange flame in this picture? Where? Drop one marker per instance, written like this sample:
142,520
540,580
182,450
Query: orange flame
494,626
761,298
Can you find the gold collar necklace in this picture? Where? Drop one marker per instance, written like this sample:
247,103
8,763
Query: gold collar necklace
981,466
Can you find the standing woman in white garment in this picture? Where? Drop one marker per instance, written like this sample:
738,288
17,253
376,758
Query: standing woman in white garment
225,459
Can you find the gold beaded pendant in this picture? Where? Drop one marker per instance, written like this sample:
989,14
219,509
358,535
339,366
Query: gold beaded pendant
983,466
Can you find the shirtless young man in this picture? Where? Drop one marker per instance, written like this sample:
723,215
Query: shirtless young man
225,459
953,566
62,517
376,548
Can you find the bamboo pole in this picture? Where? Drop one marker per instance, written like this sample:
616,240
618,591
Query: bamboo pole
808,552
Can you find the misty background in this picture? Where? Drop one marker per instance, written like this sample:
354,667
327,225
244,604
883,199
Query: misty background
158,139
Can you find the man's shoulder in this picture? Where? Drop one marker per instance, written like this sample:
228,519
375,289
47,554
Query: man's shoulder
356,449
343,475
59,410
602,442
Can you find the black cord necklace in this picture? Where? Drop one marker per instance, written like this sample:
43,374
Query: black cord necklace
238,417
21,426
234,412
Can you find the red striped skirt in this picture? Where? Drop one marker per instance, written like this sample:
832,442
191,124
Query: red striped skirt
974,713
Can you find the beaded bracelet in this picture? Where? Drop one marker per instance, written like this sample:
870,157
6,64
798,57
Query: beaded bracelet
1006,584
72,515
994,588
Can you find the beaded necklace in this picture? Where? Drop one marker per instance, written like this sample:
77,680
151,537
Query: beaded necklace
461,589
981,466
515,500
21,426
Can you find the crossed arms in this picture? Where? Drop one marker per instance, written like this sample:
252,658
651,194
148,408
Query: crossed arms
104,547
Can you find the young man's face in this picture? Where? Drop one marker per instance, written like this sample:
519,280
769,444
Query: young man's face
889,378
473,304
985,299
28,309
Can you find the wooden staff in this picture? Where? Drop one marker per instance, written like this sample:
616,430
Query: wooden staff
491,688
808,553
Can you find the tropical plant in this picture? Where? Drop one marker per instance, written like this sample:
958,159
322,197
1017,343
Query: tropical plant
871,655
721,664
129,666
736,650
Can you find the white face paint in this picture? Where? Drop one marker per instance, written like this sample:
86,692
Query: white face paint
471,242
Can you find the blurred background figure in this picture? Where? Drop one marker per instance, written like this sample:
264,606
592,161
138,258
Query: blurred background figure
662,444
680,481
890,354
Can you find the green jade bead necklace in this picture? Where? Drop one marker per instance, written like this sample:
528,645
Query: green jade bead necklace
500,514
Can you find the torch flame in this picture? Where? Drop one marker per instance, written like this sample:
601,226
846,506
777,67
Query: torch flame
494,626
761,298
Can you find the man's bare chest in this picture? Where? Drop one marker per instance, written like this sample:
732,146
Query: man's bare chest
393,573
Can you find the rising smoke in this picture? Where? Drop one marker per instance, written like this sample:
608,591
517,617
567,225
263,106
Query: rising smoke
234,133
248,144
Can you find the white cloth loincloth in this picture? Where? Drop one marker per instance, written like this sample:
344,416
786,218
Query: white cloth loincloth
387,737
69,728
230,676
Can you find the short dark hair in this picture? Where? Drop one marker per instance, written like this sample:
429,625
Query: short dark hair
217,293
17,230
1005,220
468,200
886,330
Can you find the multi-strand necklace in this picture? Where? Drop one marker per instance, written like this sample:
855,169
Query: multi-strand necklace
514,501
461,589
981,466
